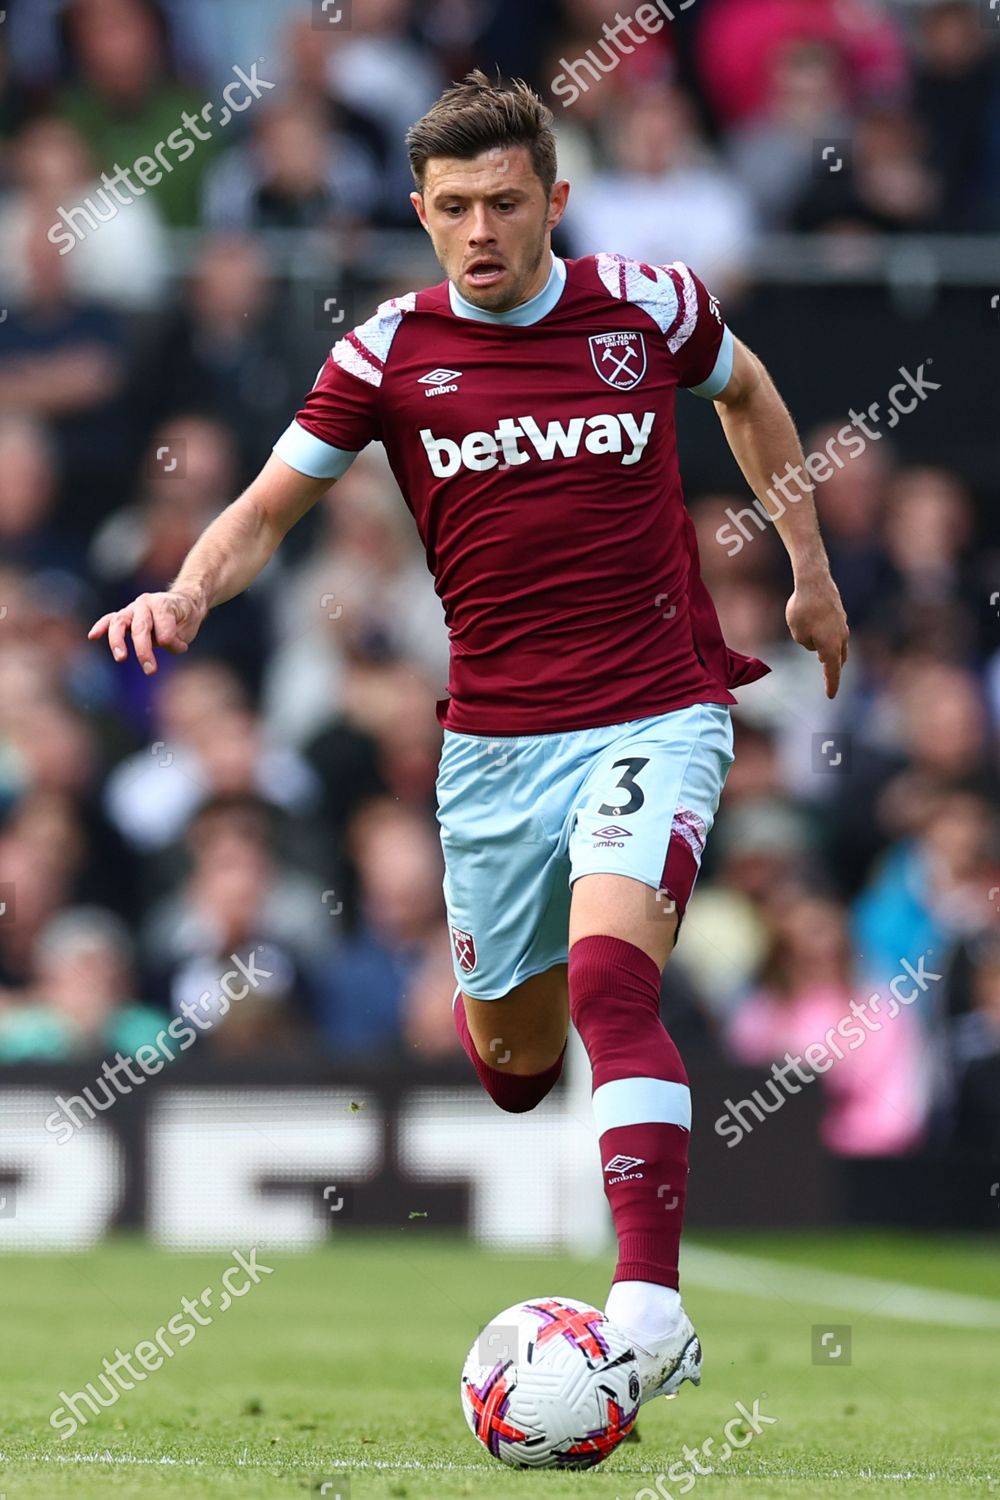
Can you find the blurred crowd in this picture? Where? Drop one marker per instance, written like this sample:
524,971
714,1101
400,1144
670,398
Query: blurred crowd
274,790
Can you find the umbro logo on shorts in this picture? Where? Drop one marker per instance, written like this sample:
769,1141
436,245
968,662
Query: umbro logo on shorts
465,949
611,837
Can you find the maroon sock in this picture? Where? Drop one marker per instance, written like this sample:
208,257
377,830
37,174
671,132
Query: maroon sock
514,1092
642,1103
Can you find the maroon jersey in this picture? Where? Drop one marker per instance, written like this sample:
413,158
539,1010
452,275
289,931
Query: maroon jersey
537,452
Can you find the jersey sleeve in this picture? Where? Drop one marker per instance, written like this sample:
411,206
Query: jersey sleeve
705,356
686,313
341,412
337,420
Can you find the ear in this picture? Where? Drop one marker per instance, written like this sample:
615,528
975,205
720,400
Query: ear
417,199
557,204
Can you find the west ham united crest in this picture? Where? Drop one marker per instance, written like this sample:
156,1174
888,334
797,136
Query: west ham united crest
465,949
619,358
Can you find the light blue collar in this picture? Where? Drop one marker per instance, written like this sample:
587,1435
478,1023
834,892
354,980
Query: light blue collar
518,317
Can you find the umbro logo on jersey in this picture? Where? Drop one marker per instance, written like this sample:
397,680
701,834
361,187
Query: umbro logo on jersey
441,381
607,433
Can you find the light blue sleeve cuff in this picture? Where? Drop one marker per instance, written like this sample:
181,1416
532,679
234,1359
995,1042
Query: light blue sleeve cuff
722,374
308,454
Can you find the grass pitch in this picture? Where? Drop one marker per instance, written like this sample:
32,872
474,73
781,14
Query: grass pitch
341,1369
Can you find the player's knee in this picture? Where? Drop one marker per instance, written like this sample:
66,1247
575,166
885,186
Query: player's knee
608,976
522,1080
521,1105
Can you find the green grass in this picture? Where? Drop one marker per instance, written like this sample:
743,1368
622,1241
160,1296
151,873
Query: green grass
345,1363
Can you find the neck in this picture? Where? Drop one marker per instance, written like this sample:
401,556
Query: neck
546,290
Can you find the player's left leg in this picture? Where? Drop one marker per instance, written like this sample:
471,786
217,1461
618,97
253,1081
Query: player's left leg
642,1104
661,783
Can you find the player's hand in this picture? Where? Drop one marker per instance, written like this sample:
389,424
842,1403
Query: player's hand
817,621
168,620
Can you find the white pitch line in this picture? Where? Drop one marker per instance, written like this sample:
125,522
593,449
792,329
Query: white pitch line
381,1465
132,1460
776,1280
373,1465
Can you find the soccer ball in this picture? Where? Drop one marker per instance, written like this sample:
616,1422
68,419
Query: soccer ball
551,1384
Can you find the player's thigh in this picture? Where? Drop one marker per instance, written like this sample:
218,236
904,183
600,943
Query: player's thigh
622,907
506,882
525,1031
647,806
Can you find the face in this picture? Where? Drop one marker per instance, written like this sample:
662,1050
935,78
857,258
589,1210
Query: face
491,224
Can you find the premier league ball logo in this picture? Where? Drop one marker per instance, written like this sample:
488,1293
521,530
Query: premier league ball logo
619,358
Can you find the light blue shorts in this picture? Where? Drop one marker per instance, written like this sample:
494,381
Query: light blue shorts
522,818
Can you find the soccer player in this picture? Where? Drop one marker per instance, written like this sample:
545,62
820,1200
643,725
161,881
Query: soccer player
526,405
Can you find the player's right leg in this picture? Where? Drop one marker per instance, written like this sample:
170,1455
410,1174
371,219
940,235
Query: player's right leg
506,890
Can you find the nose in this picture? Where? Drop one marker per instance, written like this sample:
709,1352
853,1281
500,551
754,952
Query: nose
480,230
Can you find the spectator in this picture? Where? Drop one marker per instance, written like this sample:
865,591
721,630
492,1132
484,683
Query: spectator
877,1091
63,360
189,475
762,851
922,732
32,890
223,354
392,708
307,52
119,260
29,486
211,745
258,1013
666,197
958,98
928,531
365,592
378,70
851,505
125,103
930,890
428,1031
774,154
739,39
81,1001
976,1056
237,894
293,173
364,986
884,186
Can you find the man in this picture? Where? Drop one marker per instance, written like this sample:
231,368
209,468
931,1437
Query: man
527,408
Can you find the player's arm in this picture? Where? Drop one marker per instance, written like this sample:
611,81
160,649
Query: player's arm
224,561
766,446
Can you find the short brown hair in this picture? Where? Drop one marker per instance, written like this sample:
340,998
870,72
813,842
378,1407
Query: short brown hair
475,116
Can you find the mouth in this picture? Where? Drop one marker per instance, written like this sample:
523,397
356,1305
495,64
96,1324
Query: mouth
485,272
